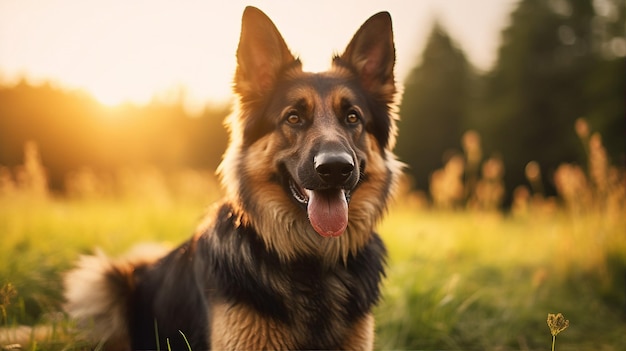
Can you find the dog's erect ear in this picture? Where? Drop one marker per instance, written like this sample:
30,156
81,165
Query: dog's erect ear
261,55
372,55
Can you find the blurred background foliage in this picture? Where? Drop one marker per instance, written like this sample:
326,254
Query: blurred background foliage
559,61
74,132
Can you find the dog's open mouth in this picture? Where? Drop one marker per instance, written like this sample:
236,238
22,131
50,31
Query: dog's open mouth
327,208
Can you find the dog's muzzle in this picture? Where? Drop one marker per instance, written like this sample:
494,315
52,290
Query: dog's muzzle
326,191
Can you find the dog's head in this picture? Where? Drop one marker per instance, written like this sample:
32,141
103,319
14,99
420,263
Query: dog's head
320,141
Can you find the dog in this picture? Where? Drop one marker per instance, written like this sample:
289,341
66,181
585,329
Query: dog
290,258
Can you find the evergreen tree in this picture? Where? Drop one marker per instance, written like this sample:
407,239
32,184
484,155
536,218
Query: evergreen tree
540,86
433,107
606,86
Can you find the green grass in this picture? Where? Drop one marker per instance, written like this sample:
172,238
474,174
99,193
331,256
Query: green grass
456,280
39,240
463,280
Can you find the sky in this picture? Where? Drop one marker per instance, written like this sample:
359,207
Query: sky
134,50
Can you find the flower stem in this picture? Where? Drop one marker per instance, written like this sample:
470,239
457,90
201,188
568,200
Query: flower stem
553,338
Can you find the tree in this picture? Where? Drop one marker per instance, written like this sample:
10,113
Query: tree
433,107
540,85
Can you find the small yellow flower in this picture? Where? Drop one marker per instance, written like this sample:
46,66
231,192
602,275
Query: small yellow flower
557,323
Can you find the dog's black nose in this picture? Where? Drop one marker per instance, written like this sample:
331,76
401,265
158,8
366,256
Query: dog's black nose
334,167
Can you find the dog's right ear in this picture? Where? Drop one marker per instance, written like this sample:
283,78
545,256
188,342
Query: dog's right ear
262,54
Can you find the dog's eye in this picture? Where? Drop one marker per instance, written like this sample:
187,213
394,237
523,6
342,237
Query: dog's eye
293,117
352,117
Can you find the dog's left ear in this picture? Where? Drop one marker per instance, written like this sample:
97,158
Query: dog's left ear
372,55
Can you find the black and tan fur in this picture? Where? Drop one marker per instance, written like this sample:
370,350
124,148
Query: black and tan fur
257,274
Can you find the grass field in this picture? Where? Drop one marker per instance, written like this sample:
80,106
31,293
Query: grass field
456,280
476,281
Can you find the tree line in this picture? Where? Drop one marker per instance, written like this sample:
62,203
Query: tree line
558,61
72,131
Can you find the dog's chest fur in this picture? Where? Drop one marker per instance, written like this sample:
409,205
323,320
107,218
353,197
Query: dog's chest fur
301,297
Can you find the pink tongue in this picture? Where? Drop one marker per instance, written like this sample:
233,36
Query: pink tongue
328,212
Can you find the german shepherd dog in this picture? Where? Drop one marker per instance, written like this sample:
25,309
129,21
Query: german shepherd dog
289,259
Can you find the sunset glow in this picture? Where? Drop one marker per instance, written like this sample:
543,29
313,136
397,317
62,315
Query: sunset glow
135,51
